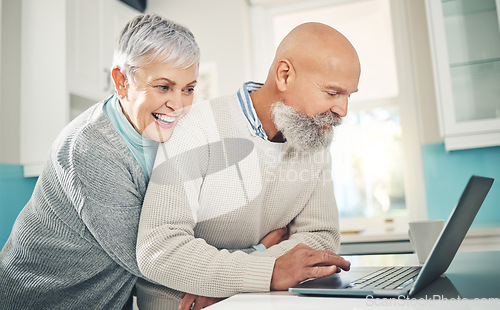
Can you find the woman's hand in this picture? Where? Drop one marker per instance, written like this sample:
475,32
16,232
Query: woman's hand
195,302
275,237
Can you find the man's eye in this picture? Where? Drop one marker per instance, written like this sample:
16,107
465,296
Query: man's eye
189,90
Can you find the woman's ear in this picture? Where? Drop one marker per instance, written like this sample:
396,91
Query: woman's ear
120,81
284,74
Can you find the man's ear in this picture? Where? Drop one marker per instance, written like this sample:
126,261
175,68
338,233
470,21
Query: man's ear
284,74
120,81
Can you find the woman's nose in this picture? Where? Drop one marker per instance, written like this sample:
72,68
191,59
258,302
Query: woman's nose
175,101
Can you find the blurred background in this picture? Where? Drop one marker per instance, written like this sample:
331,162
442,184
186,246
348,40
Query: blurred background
426,117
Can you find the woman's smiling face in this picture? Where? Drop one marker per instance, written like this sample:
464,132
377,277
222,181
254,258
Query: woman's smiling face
156,98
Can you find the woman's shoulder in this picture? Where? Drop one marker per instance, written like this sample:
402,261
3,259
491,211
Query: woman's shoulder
89,136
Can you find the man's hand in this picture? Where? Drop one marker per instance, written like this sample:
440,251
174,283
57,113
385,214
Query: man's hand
302,263
195,302
275,237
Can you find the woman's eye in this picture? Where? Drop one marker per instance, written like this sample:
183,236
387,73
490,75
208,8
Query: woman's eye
163,87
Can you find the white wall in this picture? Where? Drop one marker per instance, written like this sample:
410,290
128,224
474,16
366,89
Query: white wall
1,1
222,30
423,76
10,56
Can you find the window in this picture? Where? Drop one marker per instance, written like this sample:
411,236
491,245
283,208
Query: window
368,164
371,166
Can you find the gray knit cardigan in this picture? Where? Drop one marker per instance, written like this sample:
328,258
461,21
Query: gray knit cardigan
73,244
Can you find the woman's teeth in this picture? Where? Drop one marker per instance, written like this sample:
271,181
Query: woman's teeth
164,118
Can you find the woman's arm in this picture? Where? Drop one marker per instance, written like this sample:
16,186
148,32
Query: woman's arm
107,189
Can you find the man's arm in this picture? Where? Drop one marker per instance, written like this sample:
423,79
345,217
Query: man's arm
317,224
288,270
274,237
168,252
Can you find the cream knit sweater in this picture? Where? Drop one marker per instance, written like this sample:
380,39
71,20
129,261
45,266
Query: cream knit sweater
215,186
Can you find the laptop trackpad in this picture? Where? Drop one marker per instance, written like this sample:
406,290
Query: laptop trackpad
338,280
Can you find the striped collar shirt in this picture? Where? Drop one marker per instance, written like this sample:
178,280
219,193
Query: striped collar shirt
254,124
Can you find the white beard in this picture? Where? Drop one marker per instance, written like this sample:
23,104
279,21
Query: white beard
304,133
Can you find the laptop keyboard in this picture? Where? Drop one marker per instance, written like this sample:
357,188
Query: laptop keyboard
389,278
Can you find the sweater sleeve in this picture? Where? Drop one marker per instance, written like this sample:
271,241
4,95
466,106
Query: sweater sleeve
317,225
99,180
167,251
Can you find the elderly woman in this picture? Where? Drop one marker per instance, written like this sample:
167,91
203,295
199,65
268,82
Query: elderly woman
73,244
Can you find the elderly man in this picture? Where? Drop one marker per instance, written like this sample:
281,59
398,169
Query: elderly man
243,165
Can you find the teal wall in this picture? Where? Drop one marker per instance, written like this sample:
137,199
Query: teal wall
447,173
15,191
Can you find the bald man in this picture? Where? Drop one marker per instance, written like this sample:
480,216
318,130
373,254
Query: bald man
241,166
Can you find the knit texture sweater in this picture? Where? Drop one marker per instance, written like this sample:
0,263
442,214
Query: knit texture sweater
73,245
215,188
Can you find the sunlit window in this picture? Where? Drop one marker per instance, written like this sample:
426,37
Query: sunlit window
368,164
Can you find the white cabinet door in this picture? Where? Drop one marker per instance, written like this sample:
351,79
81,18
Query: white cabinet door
86,74
43,98
93,26
66,51
115,15
465,46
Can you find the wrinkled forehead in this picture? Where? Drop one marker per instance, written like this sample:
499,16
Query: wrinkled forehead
331,73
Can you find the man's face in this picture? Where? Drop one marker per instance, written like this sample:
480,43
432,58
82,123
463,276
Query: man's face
323,86
315,101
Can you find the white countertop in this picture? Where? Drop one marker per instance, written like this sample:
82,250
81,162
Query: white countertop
288,301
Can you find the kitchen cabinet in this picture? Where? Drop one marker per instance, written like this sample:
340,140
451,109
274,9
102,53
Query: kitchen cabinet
86,66
465,47
93,26
66,54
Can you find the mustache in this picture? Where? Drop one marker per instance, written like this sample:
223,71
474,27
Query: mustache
321,120
302,131
327,118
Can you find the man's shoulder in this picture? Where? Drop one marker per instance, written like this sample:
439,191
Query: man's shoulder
207,122
213,105
207,114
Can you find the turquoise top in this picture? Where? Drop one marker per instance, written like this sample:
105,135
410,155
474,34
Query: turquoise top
143,149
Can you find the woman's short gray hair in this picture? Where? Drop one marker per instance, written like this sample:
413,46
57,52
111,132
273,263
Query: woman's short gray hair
148,38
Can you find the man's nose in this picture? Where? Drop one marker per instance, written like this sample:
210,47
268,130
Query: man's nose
340,107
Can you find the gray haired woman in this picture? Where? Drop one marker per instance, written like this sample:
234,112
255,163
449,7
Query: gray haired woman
73,244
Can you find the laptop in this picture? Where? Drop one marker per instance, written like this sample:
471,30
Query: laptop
407,280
